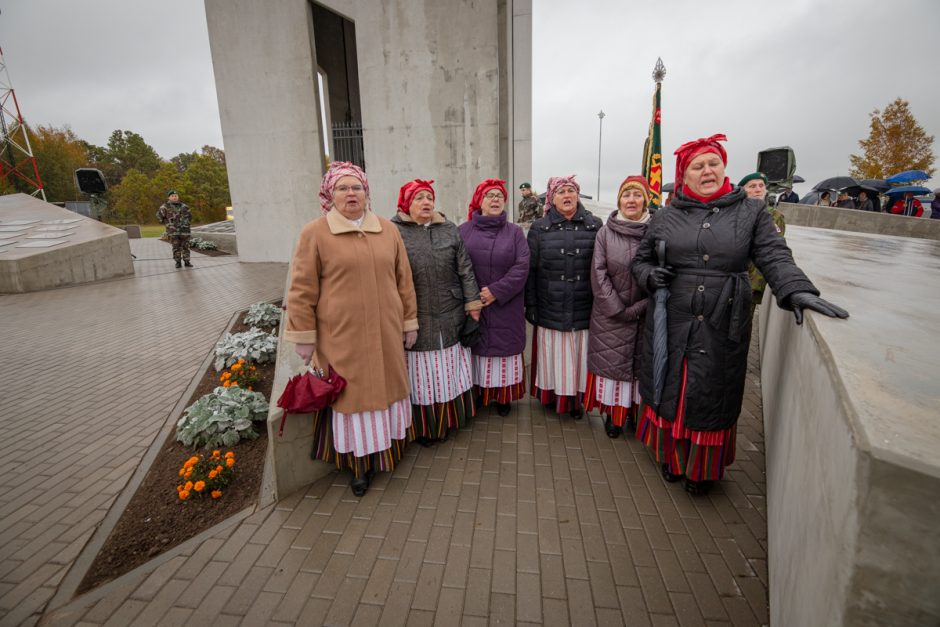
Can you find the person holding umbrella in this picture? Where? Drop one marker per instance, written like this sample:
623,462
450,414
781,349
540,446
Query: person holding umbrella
907,206
935,205
619,306
700,251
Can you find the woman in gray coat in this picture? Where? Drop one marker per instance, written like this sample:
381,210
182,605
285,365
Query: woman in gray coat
439,367
618,309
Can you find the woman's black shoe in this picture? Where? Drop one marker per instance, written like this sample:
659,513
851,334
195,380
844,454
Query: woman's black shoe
425,442
503,409
698,488
668,476
576,413
612,430
631,419
359,486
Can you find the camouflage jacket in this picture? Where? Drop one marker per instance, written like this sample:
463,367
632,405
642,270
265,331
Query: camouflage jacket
758,283
530,209
176,217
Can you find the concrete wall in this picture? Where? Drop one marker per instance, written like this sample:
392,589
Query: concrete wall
852,436
265,71
860,221
429,77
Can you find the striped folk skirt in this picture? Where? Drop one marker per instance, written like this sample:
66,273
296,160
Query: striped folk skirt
612,397
699,455
363,441
559,367
441,390
499,380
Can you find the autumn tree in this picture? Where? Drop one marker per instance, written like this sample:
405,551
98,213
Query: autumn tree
896,142
138,196
59,152
205,186
126,150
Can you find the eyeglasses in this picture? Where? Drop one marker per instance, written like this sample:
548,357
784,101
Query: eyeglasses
493,194
344,189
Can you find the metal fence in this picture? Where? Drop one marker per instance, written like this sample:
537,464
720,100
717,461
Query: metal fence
347,143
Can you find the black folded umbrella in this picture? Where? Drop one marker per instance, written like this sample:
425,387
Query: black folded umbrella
880,185
660,333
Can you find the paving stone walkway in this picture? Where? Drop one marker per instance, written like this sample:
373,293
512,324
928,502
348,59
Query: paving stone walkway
90,374
528,519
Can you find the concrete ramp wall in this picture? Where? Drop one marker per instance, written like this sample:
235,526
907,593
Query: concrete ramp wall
852,436
860,221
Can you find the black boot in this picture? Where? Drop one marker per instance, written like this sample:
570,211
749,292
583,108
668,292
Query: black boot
612,430
576,412
668,476
503,409
631,419
179,264
187,264
698,488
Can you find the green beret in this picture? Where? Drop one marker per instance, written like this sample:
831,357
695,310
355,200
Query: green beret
525,185
752,177
170,193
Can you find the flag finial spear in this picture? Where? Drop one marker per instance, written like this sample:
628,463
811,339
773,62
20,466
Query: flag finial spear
659,72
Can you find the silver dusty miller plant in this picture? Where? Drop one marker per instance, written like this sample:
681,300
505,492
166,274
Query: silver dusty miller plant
254,345
222,418
263,315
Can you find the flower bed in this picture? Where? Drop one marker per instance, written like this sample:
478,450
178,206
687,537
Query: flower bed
156,518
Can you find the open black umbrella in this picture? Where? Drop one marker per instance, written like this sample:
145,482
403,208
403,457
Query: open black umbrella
660,332
668,188
835,183
880,185
798,179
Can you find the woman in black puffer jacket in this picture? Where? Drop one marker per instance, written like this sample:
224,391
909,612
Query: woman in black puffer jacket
711,232
558,295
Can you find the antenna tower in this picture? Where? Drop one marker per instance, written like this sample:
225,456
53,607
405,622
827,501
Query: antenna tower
17,162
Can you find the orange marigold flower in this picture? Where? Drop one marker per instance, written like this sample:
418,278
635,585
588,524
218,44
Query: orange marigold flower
230,462
184,494
213,474
216,453
188,486
219,469
188,473
229,454
216,493
182,472
226,385
236,367
193,460
199,486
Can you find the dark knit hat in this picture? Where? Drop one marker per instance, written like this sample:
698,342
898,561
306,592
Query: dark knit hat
170,193
753,176
525,186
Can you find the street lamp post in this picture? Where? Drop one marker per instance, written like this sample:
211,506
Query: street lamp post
600,135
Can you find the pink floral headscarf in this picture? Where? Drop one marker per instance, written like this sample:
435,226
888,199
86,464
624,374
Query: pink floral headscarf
554,184
337,170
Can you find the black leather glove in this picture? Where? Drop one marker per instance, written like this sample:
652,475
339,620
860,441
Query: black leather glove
659,278
799,301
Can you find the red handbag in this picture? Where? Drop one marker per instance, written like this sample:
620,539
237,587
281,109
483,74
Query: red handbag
310,391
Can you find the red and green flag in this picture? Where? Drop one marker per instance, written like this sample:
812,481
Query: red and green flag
653,153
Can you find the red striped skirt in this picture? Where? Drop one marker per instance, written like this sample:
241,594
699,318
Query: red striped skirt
499,379
615,398
559,367
699,455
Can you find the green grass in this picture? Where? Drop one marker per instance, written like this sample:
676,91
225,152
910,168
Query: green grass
151,230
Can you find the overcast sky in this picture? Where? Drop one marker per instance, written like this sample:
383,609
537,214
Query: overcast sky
803,73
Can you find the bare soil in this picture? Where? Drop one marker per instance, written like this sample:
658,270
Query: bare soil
155,520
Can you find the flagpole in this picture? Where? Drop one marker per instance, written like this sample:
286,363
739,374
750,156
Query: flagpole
600,135
652,148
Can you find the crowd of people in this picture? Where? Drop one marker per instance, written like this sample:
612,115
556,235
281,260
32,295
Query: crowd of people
427,320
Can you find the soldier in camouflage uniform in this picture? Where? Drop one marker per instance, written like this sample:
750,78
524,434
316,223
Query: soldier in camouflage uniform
176,217
530,209
755,185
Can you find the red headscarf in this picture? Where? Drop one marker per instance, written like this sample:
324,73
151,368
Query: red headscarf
336,171
690,150
407,193
554,184
476,203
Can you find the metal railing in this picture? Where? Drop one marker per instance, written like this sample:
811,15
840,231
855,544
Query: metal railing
348,144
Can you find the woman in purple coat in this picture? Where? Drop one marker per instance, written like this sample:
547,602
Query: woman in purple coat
500,257
619,306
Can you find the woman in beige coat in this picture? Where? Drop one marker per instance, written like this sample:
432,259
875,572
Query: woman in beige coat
351,305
